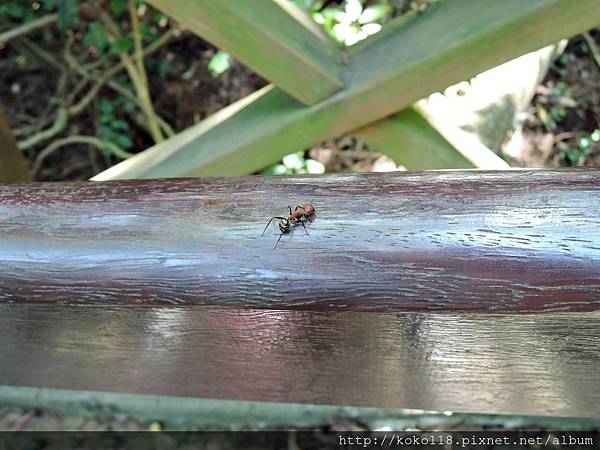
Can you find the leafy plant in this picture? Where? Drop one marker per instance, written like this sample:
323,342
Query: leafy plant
309,5
576,155
66,13
26,11
219,63
295,163
95,37
353,23
112,127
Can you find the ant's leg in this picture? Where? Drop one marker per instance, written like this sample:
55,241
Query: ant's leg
303,226
290,208
278,241
269,223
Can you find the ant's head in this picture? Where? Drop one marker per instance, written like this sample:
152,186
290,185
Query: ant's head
309,209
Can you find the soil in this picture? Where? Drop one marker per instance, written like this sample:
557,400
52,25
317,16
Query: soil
559,124
30,92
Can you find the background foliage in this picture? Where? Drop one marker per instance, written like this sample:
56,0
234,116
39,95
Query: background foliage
79,101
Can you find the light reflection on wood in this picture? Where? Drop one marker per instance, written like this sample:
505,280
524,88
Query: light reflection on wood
527,364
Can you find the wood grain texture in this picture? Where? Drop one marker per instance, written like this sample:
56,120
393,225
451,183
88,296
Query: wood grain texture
541,364
515,241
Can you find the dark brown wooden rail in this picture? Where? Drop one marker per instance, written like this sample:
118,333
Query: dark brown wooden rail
522,241
465,291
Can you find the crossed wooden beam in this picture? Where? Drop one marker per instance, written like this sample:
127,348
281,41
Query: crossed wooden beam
320,90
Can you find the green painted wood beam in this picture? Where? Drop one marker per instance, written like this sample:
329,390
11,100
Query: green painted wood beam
272,37
184,413
452,41
410,140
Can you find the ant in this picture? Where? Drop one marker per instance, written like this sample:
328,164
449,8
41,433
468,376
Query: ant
300,215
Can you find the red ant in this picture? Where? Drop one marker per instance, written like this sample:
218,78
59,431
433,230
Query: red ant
300,215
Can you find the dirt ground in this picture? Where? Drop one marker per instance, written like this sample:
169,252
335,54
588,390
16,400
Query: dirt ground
559,126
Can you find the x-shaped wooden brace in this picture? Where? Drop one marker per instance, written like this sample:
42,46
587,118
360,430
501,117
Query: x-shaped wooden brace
321,90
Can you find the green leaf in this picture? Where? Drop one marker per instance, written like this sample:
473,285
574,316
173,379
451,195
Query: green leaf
584,142
96,37
219,63
327,16
313,166
294,160
106,119
118,7
123,141
16,12
374,13
66,13
119,124
122,45
188,74
276,169
106,106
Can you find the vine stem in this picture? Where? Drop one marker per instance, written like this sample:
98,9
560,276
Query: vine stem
78,139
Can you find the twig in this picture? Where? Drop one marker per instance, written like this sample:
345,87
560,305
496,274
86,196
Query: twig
59,124
118,88
137,42
64,112
25,45
28,27
136,77
564,136
108,75
77,139
61,119
74,92
593,47
34,25
29,129
125,93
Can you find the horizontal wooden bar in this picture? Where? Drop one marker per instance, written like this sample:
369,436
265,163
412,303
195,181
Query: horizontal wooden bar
468,291
273,37
541,364
520,241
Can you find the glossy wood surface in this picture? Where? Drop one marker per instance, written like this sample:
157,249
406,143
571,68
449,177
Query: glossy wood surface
466,291
521,241
541,364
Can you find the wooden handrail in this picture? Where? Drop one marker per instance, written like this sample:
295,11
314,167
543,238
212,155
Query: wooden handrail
523,241
474,290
